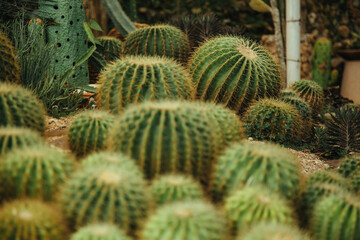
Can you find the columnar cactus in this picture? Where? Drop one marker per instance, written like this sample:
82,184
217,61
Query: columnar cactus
173,187
89,130
321,62
256,163
9,66
19,107
99,231
324,176
112,47
185,220
311,92
158,40
30,220
349,165
254,204
234,71
12,138
35,171
106,193
273,120
136,79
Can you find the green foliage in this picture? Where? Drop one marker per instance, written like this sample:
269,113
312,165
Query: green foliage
9,65
185,220
89,131
254,204
130,7
12,138
321,62
19,107
256,163
158,40
30,220
171,188
135,79
112,47
324,176
234,71
35,171
311,92
274,120
99,231
349,165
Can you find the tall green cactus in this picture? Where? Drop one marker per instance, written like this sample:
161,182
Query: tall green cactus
9,65
234,71
321,62
99,231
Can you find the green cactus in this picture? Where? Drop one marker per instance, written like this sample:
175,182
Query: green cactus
321,62
19,107
274,120
303,108
136,79
69,36
311,92
35,171
349,165
234,71
112,47
355,181
173,187
99,231
287,92
337,218
9,65
30,220
105,193
324,176
254,204
185,220
12,138
158,40
89,130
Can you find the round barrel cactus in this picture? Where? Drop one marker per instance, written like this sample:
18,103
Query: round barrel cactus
16,137
254,204
311,92
256,163
30,220
9,66
99,231
112,47
35,171
303,108
185,220
234,71
349,165
324,176
107,193
158,40
136,79
355,181
174,187
19,107
89,130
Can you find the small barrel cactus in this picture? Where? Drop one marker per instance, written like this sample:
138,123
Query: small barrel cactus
35,171
19,107
273,120
321,62
303,108
254,204
287,92
349,165
185,220
324,176
337,218
158,40
112,47
106,193
173,187
99,231
89,130
13,137
311,92
256,163
136,79
234,71
30,220
9,66
355,181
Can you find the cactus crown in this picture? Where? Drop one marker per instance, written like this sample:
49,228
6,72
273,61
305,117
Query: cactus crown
311,92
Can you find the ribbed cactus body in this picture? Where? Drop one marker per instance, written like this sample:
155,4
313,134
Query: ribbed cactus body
349,165
9,65
256,163
287,92
311,92
321,62
185,220
337,218
158,40
303,108
323,176
19,107
89,131
137,79
273,120
172,188
254,204
30,220
234,71
112,47
99,231
12,138
35,171
355,181
105,194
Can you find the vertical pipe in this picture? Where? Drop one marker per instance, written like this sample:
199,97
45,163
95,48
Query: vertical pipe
293,41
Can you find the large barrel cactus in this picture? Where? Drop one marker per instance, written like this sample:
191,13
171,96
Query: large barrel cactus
9,66
99,231
234,71
311,92
136,79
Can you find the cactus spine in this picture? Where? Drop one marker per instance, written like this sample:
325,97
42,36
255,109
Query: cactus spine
321,62
311,92
99,231
112,47
9,66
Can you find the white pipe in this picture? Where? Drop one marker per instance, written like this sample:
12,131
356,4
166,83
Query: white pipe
292,41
